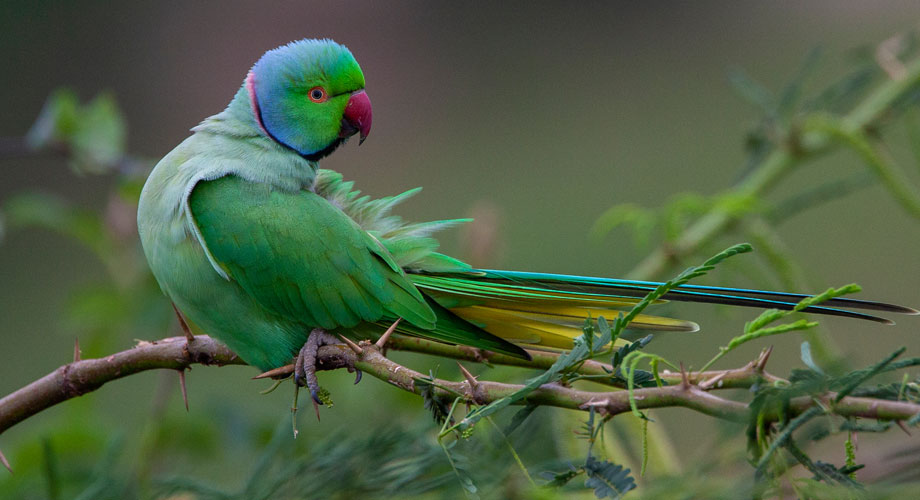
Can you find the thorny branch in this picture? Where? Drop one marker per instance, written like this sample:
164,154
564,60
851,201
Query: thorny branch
87,375
686,390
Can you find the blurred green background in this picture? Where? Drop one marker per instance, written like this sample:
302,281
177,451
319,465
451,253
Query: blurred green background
533,116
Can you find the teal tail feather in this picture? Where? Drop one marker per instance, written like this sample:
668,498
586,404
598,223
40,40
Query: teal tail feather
694,293
549,310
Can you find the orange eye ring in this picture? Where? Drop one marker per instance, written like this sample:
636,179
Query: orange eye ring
317,94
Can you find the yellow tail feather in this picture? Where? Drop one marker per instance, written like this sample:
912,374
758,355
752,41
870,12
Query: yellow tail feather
555,325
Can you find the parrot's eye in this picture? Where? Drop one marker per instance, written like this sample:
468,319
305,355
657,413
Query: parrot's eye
317,94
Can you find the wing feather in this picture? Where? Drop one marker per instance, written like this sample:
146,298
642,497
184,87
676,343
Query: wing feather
301,257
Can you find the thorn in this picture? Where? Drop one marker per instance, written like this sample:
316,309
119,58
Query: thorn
76,349
350,343
316,409
184,390
710,383
762,360
183,324
902,426
468,376
276,372
382,341
684,378
5,462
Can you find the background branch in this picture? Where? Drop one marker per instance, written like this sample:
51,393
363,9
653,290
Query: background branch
790,152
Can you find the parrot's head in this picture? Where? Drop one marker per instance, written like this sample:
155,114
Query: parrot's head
309,96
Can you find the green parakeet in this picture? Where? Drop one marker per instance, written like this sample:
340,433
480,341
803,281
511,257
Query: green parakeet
258,247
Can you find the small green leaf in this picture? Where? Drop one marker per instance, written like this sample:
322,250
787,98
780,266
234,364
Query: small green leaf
914,420
92,135
56,122
785,435
325,397
830,473
622,352
519,418
435,405
853,380
640,219
459,464
752,90
560,479
607,479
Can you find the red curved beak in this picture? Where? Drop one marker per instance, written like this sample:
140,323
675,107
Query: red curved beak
357,116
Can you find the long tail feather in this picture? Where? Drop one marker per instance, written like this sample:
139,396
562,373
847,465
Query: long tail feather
549,309
796,297
692,293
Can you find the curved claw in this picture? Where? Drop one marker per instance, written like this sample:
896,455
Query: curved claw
305,362
315,397
300,379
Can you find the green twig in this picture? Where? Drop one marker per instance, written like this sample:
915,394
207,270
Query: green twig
868,114
758,328
514,453
894,180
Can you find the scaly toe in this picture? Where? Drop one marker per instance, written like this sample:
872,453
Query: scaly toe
315,395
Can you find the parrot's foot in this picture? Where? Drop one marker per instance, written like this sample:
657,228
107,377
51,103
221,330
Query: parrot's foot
305,363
